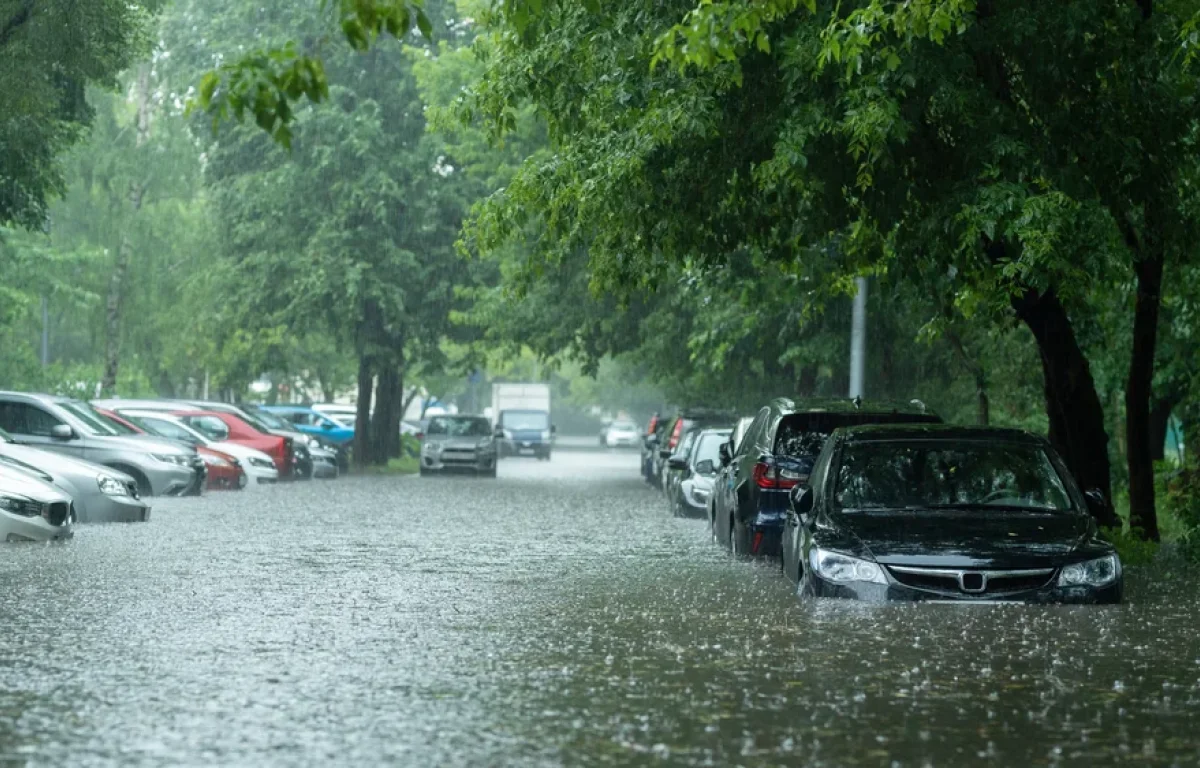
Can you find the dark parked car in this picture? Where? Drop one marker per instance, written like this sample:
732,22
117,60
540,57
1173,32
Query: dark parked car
692,471
750,503
650,443
940,513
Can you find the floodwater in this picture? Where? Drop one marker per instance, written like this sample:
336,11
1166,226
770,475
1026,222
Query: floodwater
555,616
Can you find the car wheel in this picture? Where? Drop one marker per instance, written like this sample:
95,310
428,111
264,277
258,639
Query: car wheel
738,543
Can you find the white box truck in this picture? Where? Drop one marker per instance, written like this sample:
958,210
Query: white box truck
522,410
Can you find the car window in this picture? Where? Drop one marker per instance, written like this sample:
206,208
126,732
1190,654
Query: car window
93,421
209,426
685,445
943,474
26,419
708,447
170,430
525,420
458,427
752,431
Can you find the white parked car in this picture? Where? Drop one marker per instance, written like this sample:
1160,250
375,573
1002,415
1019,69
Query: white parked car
622,434
258,466
31,510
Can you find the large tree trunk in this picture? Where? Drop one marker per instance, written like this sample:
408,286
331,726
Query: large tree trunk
116,282
385,408
1072,405
362,424
1143,516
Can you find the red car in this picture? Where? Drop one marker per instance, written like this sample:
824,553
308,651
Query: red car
227,426
223,472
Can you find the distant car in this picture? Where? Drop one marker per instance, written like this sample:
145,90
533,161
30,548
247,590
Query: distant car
650,443
224,471
258,466
524,432
750,504
100,494
346,414
946,514
332,435
226,427
73,428
32,510
621,434
460,443
301,467
696,469
680,425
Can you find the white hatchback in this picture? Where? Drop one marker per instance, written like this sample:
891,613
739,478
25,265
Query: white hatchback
621,434
31,510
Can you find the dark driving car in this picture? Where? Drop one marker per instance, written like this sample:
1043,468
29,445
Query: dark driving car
941,513
693,470
750,503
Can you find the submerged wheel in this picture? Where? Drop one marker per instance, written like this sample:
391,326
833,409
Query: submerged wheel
739,544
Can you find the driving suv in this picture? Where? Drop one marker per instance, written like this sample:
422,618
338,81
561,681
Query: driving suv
74,428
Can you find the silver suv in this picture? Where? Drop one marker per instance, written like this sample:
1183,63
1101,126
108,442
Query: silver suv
73,428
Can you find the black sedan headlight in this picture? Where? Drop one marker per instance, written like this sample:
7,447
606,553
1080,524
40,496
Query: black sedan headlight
1091,573
844,569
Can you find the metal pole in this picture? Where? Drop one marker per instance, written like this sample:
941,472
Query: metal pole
45,332
858,339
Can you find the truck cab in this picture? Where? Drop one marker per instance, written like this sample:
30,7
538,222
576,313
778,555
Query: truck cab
526,432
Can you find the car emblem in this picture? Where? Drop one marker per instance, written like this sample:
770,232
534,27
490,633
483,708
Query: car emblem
972,581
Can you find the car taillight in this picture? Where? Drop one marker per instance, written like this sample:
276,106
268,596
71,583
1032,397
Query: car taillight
675,433
771,477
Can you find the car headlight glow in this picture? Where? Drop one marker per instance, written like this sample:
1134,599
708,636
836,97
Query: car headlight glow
258,461
1092,573
545,434
431,447
313,442
177,459
111,486
834,566
214,461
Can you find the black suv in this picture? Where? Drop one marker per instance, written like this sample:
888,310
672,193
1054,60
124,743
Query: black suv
750,498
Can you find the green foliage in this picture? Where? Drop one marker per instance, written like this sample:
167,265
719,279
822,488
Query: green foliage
1181,501
50,52
1131,547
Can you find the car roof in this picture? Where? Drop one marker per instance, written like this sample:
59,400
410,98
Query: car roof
887,432
37,397
788,406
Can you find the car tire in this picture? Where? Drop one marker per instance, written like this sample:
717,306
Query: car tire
739,543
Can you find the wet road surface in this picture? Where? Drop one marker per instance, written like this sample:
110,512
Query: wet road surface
555,616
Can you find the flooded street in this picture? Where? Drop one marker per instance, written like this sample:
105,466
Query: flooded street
557,615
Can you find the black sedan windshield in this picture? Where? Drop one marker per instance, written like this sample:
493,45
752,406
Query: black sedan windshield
939,474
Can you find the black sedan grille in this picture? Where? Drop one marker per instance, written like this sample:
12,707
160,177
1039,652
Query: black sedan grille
985,583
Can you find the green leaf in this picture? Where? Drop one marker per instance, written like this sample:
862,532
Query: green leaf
424,25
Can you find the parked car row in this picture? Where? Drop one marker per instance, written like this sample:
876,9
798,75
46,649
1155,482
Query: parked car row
65,461
883,501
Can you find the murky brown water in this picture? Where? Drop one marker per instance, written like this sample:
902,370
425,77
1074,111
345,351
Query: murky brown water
555,616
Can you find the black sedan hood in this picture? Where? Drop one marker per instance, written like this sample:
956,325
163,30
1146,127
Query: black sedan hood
970,539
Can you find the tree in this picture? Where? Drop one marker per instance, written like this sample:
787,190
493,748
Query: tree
50,52
1031,154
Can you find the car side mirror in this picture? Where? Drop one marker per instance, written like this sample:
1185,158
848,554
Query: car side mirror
725,453
62,432
802,502
705,467
497,433
1097,504
677,462
664,453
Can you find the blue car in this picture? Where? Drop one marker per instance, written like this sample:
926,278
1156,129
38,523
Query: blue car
310,422
749,500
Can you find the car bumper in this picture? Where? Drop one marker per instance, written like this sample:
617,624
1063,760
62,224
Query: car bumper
100,508
525,447
261,475
21,528
441,462
766,534
815,586
171,480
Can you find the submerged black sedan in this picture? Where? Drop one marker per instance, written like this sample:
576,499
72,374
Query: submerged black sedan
941,513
